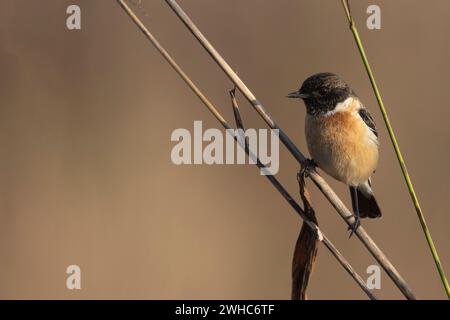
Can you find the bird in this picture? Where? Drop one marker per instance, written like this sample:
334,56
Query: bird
342,139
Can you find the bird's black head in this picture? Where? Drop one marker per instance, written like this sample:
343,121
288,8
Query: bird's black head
322,92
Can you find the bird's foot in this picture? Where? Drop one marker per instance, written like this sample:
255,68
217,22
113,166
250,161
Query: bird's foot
355,225
307,165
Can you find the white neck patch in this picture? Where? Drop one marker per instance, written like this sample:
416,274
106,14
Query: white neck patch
341,106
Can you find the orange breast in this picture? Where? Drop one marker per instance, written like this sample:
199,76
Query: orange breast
341,146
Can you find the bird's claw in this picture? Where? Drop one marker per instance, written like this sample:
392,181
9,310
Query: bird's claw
355,225
307,165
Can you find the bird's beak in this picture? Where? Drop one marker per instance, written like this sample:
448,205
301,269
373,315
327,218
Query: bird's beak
297,95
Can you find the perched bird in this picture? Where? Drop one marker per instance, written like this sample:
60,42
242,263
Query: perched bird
342,138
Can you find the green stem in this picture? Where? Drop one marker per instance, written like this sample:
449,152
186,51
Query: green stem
401,161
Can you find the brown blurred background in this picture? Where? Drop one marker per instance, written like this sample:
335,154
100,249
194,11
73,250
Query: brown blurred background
85,171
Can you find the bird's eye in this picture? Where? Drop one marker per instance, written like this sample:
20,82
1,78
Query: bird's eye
323,92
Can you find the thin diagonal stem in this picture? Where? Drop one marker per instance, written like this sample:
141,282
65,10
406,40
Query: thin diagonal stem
398,152
321,236
323,186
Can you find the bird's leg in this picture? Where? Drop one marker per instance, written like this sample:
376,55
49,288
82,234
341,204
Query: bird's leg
355,204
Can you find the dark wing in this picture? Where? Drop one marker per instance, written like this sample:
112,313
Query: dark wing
365,115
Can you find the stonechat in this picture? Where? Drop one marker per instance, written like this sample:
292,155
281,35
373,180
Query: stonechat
342,138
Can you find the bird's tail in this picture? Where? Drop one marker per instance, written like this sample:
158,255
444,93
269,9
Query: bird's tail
367,204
